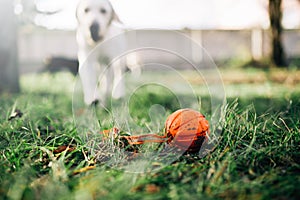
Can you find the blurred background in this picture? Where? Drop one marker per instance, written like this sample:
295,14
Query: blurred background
35,31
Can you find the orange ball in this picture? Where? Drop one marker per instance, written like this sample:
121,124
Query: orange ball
186,129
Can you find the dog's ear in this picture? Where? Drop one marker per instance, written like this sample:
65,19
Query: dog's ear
116,18
76,13
79,8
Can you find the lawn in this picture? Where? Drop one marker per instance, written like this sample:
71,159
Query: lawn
46,153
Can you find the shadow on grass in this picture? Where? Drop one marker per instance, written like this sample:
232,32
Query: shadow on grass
263,64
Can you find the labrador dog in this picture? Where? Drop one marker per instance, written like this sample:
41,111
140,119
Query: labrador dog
98,22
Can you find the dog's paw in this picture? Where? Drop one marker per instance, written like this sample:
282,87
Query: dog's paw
91,100
95,102
98,103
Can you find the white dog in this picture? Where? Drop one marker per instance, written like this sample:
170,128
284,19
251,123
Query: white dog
98,22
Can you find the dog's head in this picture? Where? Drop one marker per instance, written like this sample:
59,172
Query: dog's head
94,18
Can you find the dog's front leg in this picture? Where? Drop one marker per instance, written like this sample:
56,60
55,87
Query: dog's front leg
118,82
105,80
89,77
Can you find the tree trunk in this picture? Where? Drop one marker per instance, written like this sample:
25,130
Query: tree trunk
275,13
9,73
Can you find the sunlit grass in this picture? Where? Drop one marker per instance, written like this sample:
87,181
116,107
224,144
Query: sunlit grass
257,156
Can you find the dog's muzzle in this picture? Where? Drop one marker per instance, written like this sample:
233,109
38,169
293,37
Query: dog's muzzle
95,29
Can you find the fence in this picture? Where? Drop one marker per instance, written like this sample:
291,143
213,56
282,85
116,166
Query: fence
35,45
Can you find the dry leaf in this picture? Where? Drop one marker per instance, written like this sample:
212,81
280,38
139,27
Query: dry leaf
63,148
152,188
16,113
83,169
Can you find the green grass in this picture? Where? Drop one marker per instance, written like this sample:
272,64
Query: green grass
257,155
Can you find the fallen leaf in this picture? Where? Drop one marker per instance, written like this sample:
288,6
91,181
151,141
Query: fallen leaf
16,113
83,169
152,188
108,132
63,148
